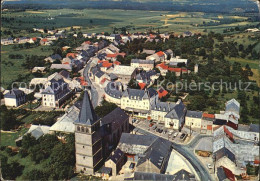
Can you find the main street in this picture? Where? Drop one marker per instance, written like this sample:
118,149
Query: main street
95,97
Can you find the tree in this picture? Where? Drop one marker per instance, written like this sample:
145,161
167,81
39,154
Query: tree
133,84
8,120
105,108
27,45
30,98
10,170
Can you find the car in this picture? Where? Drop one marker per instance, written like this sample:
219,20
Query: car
131,166
154,127
209,166
157,130
175,134
151,125
165,131
183,136
137,121
160,130
133,120
170,132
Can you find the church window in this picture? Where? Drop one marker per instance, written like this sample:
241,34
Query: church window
82,129
78,128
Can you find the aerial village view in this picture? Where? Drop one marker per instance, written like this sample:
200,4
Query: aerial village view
130,90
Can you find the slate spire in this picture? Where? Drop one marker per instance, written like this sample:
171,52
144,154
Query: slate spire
87,114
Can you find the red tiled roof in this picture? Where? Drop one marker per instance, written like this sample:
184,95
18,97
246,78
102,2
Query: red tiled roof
82,81
205,115
116,62
115,55
209,127
174,69
88,42
163,66
44,40
160,53
103,81
106,64
73,55
229,174
142,85
66,63
34,38
162,93
256,162
184,70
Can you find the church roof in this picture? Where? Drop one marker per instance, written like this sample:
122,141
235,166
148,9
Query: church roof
87,114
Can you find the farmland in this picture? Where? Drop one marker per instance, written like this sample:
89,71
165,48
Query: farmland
105,20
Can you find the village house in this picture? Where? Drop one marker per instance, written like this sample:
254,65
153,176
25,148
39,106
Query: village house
116,161
124,73
7,41
114,92
178,61
143,151
142,64
39,69
193,119
157,57
138,101
14,98
171,115
207,123
56,93
67,67
52,58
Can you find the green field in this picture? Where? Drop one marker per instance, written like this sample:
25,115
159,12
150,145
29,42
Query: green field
94,20
9,72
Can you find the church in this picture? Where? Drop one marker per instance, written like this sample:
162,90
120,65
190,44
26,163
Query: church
95,138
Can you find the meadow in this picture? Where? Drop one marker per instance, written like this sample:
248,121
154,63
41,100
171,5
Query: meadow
105,20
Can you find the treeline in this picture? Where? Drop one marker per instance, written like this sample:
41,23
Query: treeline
207,6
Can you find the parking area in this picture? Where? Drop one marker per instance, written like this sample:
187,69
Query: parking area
160,130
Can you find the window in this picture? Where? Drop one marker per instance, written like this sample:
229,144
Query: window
82,129
78,128
83,147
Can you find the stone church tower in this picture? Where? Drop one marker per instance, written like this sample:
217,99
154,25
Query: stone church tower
88,141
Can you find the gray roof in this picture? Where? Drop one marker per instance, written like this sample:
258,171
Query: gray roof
221,174
139,94
140,61
117,117
56,56
178,111
232,106
152,176
117,155
225,152
113,76
157,155
87,114
132,139
99,74
14,93
162,106
183,175
113,89
64,73
194,114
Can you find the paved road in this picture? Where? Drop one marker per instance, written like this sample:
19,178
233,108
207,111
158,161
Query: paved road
94,92
186,151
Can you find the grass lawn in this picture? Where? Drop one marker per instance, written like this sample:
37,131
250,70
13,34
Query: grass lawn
10,73
8,139
41,115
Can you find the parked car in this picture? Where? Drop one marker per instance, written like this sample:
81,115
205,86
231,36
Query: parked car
131,166
151,125
183,136
133,120
170,132
175,135
165,131
137,121
209,166
154,127
160,130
